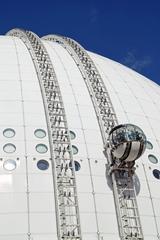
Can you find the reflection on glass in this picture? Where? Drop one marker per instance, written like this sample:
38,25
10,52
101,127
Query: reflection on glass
149,145
9,133
152,159
74,149
43,164
9,148
126,133
41,148
40,133
76,165
10,165
72,135
156,173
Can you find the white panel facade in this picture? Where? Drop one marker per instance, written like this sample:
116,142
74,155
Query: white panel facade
27,194
26,203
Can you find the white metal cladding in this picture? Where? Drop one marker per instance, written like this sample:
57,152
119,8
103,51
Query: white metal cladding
126,89
127,209
106,67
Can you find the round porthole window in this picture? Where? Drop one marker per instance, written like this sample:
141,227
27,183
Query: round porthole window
42,164
74,149
72,135
156,173
9,148
152,159
10,165
9,133
41,148
40,133
149,145
76,165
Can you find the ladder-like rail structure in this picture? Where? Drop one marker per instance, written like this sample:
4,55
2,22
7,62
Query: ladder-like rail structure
63,167
128,217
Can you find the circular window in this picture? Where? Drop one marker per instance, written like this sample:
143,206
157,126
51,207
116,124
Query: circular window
149,145
41,148
74,149
76,165
152,159
9,148
10,165
42,164
39,133
9,133
72,135
156,173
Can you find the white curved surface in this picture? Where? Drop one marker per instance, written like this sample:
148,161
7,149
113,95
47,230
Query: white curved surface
135,99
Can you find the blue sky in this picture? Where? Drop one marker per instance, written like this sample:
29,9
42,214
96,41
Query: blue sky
127,31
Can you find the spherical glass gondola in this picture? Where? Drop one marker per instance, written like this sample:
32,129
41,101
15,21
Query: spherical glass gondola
127,142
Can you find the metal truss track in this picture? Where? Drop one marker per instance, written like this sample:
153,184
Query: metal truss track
63,167
127,210
102,103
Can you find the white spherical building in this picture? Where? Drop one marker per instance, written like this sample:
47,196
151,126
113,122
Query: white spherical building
59,176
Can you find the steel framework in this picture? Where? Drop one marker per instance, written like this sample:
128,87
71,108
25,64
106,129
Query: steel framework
63,167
